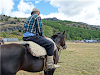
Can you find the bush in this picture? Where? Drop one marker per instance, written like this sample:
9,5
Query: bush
23,21
1,20
15,17
3,15
18,20
15,33
4,35
20,30
6,19
12,22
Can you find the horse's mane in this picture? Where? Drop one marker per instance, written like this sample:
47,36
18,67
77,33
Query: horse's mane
56,35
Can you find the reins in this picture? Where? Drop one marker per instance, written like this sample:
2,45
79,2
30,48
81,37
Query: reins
60,48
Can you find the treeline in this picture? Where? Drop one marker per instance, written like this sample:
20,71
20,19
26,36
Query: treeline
13,34
72,33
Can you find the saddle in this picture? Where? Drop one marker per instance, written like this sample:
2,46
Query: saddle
35,49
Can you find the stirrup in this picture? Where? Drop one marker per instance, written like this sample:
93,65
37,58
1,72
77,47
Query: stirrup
56,66
53,66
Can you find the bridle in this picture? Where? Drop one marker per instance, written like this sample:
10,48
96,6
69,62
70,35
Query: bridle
59,48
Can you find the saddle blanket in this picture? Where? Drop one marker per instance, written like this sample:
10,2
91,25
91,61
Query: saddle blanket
36,49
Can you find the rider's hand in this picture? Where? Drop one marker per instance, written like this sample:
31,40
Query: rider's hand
45,37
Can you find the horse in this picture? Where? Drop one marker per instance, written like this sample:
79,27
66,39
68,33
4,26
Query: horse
15,57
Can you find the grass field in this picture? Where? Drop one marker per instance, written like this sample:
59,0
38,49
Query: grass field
77,59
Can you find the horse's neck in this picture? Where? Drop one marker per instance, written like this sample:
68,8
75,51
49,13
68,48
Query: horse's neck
57,41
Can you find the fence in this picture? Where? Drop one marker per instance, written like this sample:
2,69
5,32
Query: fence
10,39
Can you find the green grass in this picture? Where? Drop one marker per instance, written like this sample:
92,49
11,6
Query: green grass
80,59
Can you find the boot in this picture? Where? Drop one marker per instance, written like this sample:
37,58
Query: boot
50,64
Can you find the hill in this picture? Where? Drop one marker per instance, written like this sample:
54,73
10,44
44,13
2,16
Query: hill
75,24
13,26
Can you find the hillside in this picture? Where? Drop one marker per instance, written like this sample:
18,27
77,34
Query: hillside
74,30
74,24
10,23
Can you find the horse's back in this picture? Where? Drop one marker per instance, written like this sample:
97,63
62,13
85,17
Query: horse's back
11,50
11,58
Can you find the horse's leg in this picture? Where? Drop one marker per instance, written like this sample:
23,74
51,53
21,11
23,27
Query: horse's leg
50,72
6,73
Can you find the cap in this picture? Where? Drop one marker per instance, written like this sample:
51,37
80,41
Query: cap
35,9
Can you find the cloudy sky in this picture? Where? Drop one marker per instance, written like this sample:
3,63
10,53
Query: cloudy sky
87,11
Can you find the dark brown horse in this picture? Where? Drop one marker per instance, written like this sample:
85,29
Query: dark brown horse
15,57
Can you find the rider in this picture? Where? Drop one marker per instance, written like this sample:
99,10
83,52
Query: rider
33,32
1,41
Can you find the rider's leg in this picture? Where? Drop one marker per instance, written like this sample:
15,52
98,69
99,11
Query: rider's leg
49,46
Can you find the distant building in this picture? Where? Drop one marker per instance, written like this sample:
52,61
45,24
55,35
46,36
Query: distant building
10,39
79,41
91,41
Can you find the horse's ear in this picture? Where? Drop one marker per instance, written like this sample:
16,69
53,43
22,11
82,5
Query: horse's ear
64,32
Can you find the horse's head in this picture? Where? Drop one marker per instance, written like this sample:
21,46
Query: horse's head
59,39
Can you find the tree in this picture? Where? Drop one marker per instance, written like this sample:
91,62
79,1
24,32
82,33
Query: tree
99,33
4,35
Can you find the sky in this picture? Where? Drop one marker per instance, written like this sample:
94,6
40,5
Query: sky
87,11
